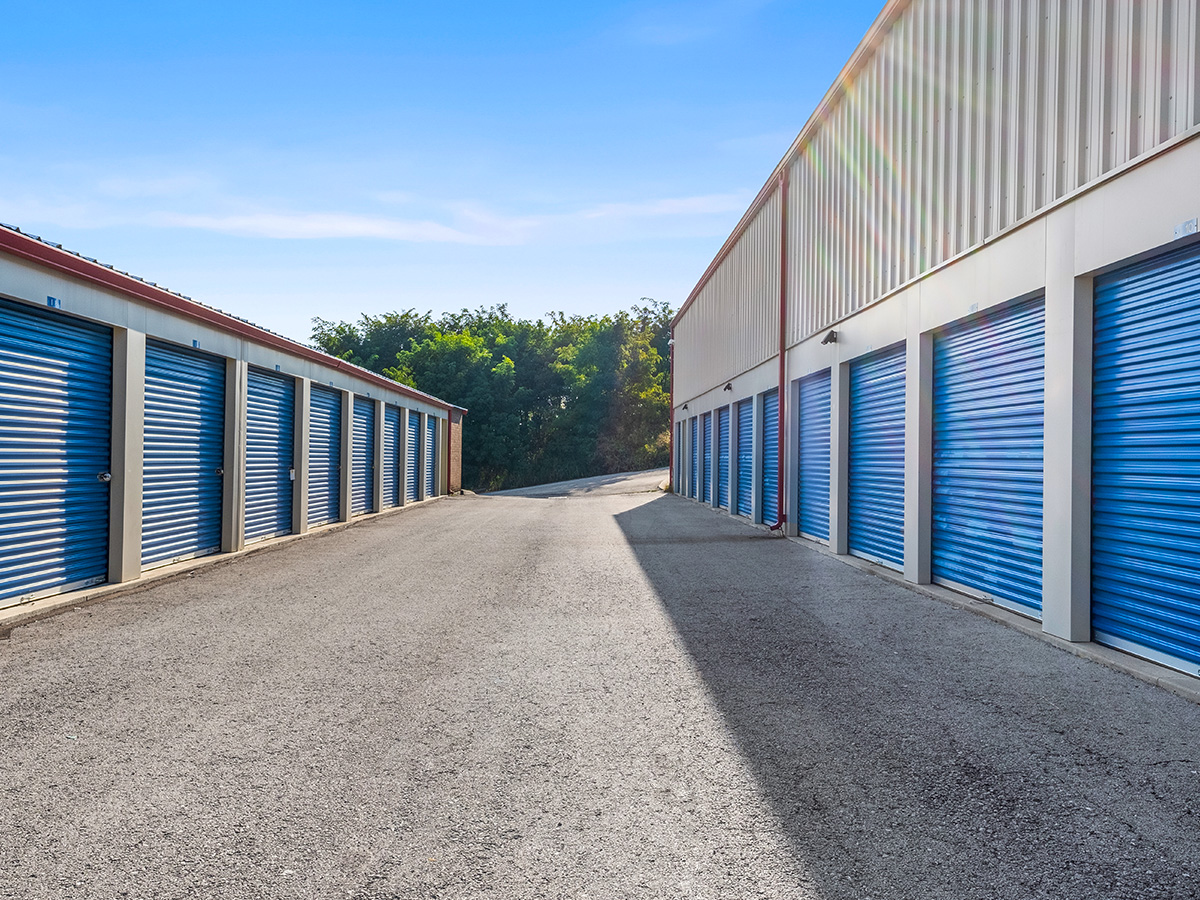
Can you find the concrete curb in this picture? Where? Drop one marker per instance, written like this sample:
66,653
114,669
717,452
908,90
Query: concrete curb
47,607
1168,679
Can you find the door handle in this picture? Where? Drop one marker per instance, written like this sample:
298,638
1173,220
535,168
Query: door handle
106,477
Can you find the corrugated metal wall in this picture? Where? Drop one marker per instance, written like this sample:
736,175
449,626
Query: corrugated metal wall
968,118
734,323
955,122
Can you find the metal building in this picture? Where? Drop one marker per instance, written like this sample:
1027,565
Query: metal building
970,296
139,429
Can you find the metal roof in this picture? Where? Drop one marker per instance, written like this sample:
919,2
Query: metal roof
37,249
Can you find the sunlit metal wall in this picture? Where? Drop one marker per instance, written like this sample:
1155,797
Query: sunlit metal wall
953,122
733,324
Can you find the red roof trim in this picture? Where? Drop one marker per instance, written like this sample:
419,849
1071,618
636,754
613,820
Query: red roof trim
43,254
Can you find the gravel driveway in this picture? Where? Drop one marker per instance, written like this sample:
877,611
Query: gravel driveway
588,691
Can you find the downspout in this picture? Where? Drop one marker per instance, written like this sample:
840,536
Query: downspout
781,515
671,426
449,444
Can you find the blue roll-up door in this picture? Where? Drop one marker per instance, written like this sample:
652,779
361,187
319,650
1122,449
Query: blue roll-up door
678,485
184,454
745,458
876,492
813,506
391,456
1146,460
430,456
412,457
988,401
723,457
324,455
362,484
695,457
706,477
770,460
270,451
55,427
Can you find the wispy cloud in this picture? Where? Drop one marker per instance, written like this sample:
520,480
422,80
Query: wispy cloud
194,202
314,226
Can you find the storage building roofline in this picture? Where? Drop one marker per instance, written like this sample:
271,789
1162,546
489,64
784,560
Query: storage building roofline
839,87
54,256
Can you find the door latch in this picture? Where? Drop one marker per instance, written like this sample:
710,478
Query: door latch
105,477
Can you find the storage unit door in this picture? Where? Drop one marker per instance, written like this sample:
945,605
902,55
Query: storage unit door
770,460
706,478
184,454
362,486
876,491
1146,461
695,456
412,457
55,427
430,456
678,485
745,458
270,448
324,455
988,400
391,456
813,515
723,457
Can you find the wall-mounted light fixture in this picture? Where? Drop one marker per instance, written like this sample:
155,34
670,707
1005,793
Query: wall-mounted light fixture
830,338
728,386
685,406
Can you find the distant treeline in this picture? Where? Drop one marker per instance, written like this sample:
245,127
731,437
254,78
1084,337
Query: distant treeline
547,400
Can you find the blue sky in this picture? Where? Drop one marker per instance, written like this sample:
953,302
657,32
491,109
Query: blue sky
285,161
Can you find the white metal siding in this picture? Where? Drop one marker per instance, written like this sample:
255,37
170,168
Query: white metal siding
968,118
955,121
734,323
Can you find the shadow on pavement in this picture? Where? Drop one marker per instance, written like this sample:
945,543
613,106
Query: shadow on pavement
912,750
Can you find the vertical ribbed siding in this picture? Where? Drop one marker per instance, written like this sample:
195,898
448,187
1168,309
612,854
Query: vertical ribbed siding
391,456
745,458
964,120
813,517
362,484
183,454
412,457
734,323
324,455
270,442
1146,460
55,427
988,434
876,483
723,457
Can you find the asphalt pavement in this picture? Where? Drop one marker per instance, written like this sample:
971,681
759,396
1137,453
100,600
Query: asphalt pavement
590,690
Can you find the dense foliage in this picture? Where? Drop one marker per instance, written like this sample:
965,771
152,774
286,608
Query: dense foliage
547,400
